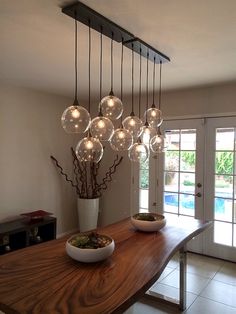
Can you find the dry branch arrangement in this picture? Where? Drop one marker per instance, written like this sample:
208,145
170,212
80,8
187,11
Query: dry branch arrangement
86,176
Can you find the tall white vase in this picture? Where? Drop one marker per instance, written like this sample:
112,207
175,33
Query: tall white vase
87,213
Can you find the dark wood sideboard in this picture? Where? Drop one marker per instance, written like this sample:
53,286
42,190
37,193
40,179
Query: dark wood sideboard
21,233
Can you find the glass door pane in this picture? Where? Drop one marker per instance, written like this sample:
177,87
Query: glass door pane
179,172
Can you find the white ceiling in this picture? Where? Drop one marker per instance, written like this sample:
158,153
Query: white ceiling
37,42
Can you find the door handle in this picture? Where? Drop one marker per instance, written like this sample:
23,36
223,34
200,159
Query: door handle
198,194
199,185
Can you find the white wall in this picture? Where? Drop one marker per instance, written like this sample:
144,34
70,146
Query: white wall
218,99
30,132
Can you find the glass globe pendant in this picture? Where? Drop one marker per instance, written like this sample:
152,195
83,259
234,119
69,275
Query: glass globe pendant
75,119
111,106
102,128
138,152
133,124
147,133
153,116
89,149
158,143
121,140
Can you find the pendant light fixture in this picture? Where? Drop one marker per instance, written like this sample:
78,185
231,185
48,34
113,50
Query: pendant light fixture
111,106
75,119
153,115
148,131
121,139
158,143
89,149
132,123
101,127
139,151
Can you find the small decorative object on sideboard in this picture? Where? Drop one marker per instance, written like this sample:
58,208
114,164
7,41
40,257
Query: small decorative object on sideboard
90,247
20,233
148,222
36,215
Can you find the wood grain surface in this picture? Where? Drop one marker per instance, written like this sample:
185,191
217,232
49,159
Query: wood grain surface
43,279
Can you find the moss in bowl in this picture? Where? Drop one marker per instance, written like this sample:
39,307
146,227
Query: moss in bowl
90,247
148,222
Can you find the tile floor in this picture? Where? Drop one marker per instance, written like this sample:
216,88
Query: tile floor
211,288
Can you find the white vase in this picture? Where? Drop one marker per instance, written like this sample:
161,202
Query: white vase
87,213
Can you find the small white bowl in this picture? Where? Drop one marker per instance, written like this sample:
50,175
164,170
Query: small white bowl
89,255
149,226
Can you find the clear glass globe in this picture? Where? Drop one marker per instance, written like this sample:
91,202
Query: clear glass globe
121,140
147,134
75,119
138,152
111,107
134,125
102,128
158,144
153,117
89,149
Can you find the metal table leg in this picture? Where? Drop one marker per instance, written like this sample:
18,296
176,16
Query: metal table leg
182,278
181,303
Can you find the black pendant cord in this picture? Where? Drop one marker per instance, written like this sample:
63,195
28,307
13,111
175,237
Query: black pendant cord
153,81
89,68
140,82
132,82
101,61
159,107
112,35
121,77
76,103
146,122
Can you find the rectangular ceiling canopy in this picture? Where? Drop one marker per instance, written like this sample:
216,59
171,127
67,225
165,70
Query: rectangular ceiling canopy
98,22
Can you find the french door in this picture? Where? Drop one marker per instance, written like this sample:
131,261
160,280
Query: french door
220,187
180,172
197,178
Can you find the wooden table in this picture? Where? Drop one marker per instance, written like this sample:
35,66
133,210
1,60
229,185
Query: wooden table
43,279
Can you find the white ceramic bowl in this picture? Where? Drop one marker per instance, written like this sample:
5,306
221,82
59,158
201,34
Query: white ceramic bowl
90,255
149,226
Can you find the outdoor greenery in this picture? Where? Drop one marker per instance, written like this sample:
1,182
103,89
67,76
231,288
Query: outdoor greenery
224,162
223,166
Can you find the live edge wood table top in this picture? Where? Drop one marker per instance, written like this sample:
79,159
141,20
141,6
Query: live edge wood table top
43,279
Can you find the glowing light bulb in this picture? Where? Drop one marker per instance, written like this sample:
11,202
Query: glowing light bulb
101,124
121,134
75,113
110,102
89,145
